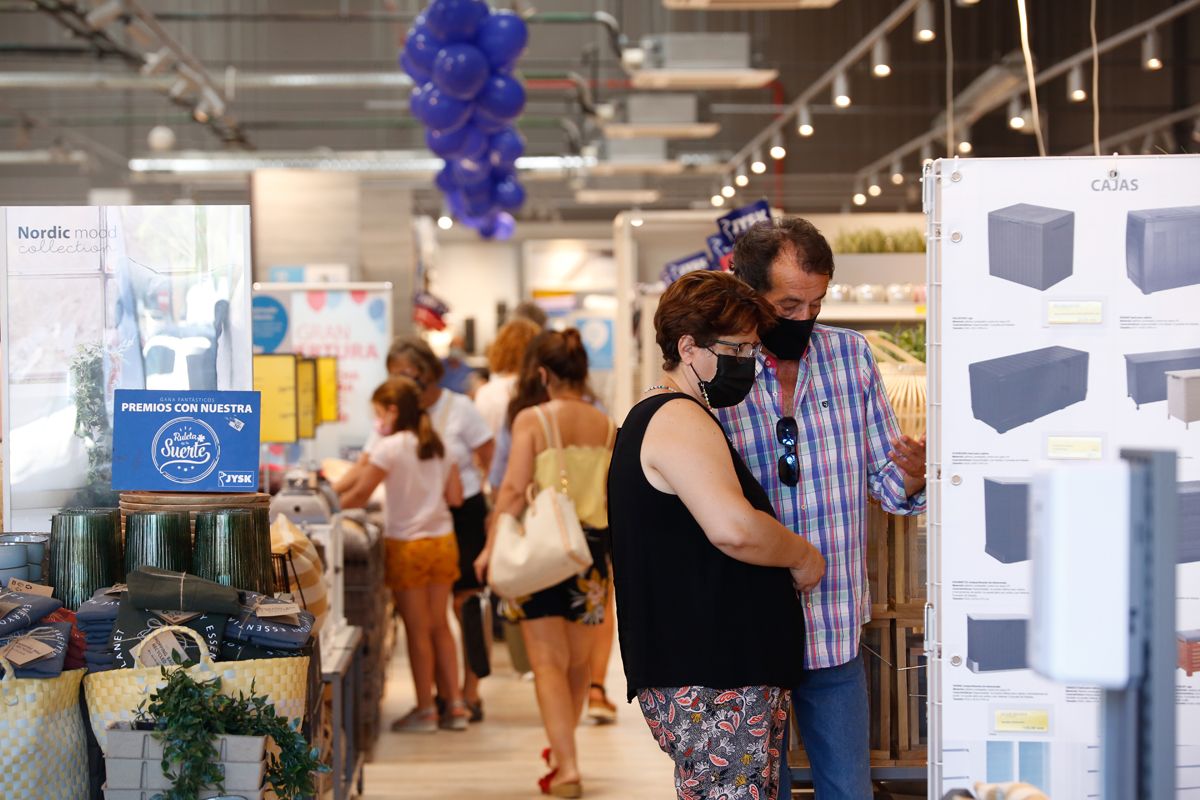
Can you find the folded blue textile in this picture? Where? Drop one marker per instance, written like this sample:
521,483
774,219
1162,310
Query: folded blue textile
100,611
266,631
30,608
56,635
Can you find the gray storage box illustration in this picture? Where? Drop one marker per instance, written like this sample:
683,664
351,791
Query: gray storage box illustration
1006,519
1189,522
996,642
1031,245
1013,390
1146,373
1183,395
1162,248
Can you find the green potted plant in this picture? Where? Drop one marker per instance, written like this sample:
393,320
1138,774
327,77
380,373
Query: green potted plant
187,718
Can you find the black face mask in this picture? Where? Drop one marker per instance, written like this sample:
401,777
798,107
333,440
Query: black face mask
732,382
789,338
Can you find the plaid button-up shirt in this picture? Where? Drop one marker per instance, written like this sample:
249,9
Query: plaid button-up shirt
846,428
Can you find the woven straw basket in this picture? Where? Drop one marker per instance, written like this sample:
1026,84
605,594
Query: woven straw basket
903,381
114,696
43,749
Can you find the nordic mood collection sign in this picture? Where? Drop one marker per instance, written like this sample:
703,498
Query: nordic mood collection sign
185,441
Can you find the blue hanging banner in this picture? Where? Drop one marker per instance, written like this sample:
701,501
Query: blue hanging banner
185,441
720,252
740,220
682,266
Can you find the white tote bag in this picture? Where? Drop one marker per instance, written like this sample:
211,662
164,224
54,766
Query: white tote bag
548,545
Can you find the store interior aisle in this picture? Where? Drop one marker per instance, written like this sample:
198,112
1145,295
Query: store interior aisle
498,759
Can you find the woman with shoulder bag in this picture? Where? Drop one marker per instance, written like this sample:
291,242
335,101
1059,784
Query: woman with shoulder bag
565,444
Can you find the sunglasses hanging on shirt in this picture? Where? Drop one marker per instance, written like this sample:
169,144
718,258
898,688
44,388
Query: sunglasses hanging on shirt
788,434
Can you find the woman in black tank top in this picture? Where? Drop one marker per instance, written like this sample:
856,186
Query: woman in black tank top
710,624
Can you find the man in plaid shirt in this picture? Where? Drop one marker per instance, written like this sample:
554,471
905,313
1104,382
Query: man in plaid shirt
819,434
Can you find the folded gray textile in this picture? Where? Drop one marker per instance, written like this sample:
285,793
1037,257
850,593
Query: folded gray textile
267,632
56,635
30,608
166,590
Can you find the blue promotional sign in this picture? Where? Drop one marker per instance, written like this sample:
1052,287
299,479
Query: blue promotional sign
269,321
682,266
740,220
185,441
720,252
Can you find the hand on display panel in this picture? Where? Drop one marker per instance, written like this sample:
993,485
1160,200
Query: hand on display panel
909,455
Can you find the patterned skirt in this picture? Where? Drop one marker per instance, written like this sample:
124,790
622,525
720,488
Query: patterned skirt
725,743
580,598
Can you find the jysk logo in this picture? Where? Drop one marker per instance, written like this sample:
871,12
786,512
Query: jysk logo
186,450
233,480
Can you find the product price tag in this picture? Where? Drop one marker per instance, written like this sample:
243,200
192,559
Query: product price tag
18,585
159,649
25,650
116,589
177,617
284,613
8,606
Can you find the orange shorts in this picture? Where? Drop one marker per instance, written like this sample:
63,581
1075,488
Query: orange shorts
421,562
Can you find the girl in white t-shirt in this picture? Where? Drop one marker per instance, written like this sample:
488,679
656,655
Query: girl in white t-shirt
422,555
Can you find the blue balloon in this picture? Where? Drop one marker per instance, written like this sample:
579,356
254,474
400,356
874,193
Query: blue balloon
440,111
505,226
375,308
510,194
480,192
462,142
470,173
477,206
444,180
502,38
486,122
460,70
422,46
456,20
412,69
507,146
502,97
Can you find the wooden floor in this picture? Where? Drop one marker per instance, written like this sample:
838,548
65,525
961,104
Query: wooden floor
498,759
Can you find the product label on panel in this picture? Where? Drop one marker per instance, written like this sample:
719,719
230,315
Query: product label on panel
306,398
275,379
1064,299
185,441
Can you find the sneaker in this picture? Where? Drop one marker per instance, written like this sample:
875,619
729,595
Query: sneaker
419,720
600,710
455,718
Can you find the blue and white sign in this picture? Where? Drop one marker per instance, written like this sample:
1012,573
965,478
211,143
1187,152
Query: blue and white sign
185,441
674,270
740,220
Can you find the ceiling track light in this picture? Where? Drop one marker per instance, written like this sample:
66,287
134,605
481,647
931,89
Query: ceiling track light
637,220
758,166
778,151
924,30
926,154
873,187
966,3
859,198
741,179
1016,117
1151,52
727,190
965,148
897,172
1076,92
445,222
841,90
881,61
104,14
804,121
717,201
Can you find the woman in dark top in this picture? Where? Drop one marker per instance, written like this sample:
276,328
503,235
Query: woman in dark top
710,624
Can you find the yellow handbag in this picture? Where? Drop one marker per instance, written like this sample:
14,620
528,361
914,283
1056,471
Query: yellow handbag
114,696
43,749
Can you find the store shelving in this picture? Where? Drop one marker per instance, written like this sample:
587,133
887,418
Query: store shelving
873,312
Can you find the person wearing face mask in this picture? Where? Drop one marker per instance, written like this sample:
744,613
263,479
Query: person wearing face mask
409,459
818,433
565,437
710,624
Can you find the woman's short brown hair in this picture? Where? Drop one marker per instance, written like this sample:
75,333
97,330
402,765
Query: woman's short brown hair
507,351
417,352
707,305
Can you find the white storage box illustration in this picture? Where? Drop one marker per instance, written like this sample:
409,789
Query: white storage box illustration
1162,248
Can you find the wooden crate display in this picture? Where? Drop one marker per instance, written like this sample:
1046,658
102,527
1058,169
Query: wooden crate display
909,566
912,720
879,533
878,661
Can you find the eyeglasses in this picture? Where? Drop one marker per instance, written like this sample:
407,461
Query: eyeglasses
742,351
788,433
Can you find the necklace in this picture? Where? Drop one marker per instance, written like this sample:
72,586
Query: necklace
664,387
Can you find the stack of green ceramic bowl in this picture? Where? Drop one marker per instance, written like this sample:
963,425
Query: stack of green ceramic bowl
84,555
262,524
160,539
228,550
35,551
